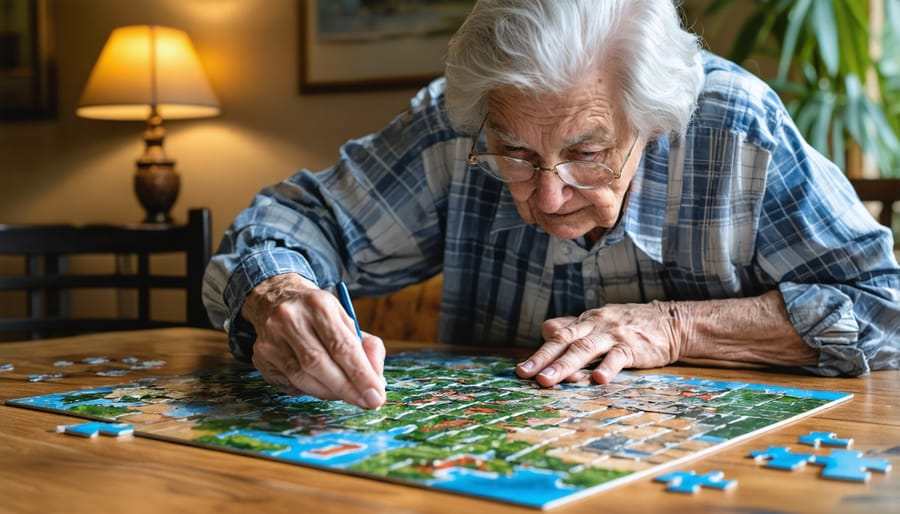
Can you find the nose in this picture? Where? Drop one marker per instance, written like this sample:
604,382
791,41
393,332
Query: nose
551,193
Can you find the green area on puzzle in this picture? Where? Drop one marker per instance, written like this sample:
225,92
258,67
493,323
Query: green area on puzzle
456,423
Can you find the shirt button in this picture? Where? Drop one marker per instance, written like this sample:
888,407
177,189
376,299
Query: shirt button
590,295
566,250
226,324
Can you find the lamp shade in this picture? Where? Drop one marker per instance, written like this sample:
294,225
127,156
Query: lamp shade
147,66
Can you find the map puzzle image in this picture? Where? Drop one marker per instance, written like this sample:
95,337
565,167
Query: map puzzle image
464,424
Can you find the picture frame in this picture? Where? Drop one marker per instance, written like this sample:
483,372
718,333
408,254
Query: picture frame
367,46
27,60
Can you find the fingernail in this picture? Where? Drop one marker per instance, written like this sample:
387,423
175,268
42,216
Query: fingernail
372,398
548,372
526,366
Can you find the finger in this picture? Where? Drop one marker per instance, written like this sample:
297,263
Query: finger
552,325
570,352
346,365
373,346
616,359
558,333
579,376
577,355
278,367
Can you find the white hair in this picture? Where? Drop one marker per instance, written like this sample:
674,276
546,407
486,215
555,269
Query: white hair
548,47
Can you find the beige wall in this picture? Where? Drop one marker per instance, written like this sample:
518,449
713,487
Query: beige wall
78,170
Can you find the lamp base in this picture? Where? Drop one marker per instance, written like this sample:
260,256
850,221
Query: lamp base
156,186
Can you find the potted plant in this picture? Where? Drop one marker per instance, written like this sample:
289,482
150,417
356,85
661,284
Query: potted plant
838,71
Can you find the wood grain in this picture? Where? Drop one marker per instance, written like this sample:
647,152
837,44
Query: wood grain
45,472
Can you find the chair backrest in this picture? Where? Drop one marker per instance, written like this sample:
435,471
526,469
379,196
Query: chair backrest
47,282
884,191
410,314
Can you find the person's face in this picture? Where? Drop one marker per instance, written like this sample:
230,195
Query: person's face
581,125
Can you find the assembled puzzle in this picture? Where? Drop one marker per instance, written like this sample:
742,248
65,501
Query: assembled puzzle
464,424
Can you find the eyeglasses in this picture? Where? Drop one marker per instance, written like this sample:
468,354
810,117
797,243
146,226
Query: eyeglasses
578,174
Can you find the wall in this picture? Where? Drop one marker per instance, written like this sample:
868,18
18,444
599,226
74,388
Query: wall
78,170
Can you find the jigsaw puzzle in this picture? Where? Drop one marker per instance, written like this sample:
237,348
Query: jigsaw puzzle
464,424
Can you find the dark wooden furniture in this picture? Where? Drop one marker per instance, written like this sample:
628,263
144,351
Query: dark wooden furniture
885,191
47,282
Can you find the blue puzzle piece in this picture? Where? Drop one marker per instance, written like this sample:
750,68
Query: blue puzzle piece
688,482
850,465
780,457
92,428
116,429
814,439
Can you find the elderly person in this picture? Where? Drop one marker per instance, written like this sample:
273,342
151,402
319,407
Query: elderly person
591,184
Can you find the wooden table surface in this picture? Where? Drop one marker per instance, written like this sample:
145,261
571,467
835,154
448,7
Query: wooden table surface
45,472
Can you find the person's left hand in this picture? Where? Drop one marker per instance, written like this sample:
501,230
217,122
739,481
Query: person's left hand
621,335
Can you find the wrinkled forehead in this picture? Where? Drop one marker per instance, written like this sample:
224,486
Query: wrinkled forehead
589,107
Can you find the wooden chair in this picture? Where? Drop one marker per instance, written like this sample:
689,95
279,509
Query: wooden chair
410,314
884,191
47,283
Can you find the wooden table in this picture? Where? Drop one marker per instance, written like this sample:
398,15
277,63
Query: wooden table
45,472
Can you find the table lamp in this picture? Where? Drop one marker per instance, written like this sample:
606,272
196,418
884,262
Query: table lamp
148,72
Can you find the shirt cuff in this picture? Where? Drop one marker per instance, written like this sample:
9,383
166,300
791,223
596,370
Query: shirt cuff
824,318
251,271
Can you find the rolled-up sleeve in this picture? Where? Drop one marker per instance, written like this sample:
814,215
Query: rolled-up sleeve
373,219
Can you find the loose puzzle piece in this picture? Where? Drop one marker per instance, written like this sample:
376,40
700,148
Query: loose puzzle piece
92,428
815,439
40,377
780,457
850,465
689,482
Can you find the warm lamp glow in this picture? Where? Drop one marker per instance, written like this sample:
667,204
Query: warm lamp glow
149,73
142,66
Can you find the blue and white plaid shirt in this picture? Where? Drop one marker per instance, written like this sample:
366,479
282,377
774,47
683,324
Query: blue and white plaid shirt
736,206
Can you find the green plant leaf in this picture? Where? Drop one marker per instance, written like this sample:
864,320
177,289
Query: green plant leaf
838,147
884,139
853,37
822,122
796,20
853,115
825,28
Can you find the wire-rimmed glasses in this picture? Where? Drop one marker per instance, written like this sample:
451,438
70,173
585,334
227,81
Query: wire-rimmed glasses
578,174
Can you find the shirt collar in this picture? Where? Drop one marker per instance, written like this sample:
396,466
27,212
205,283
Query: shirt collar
644,215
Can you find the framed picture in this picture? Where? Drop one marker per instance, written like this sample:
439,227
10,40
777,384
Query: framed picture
27,66
358,45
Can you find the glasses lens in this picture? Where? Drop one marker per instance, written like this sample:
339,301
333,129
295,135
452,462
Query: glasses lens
507,169
585,174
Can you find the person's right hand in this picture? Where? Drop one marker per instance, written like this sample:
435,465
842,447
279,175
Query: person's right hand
307,344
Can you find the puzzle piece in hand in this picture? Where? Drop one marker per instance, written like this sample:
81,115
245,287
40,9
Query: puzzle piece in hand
688,482
815,439
92,428
850,465
780,457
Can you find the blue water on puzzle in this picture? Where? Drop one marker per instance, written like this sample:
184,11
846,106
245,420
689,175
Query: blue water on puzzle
524,486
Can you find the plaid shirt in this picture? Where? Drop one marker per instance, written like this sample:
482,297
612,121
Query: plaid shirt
737,205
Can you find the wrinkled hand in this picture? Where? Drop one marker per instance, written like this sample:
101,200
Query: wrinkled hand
307,344
622,336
